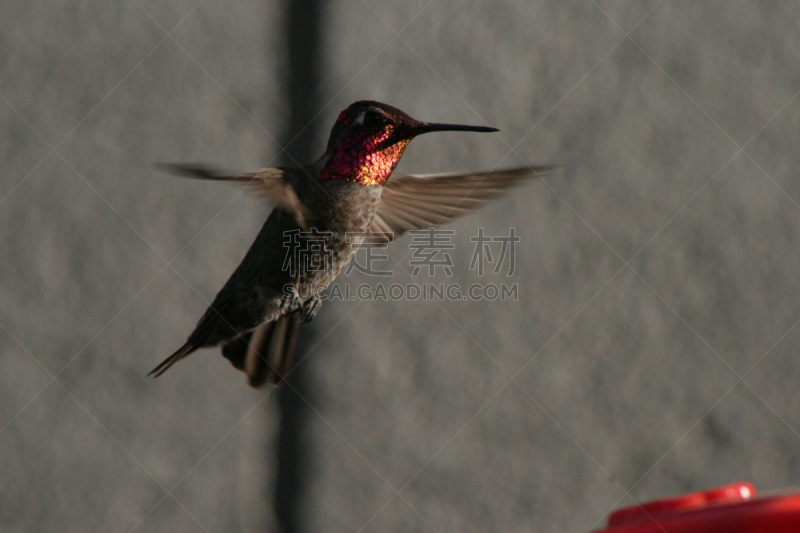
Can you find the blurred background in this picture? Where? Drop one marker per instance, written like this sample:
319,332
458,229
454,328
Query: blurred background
651,351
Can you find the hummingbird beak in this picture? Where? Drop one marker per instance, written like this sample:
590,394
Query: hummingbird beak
428,127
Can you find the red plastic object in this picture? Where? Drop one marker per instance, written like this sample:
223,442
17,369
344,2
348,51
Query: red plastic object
729,509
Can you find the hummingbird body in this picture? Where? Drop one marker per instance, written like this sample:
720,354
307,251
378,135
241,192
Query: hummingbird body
263,288
343,216
323,213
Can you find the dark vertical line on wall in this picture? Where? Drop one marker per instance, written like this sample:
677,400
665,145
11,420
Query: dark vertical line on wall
303,38
303,78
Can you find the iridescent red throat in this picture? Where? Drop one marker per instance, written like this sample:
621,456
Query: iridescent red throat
364,158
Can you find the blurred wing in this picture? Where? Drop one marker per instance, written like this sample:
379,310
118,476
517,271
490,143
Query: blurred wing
421,202
270,183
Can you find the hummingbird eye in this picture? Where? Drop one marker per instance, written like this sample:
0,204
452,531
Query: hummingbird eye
372,119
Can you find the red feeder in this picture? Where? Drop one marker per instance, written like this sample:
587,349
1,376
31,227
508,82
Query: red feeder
730,509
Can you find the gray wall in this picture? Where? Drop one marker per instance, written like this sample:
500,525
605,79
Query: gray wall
652,348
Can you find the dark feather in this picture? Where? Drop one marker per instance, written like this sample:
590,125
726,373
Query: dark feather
265,354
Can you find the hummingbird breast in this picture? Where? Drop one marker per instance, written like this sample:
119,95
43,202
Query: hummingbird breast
344,212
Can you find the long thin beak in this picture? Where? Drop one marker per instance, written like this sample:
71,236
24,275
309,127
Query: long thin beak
427,127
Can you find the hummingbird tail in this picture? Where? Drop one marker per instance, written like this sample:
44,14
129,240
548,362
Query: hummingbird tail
265,354
182,352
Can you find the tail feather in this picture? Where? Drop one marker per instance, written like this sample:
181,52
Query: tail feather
182,352
265,354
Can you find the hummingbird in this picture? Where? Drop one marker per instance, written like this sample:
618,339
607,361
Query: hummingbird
323,212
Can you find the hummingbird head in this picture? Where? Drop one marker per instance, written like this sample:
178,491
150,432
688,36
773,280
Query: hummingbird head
369,138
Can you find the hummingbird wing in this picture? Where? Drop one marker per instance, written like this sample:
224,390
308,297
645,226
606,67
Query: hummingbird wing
271,183
420,202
